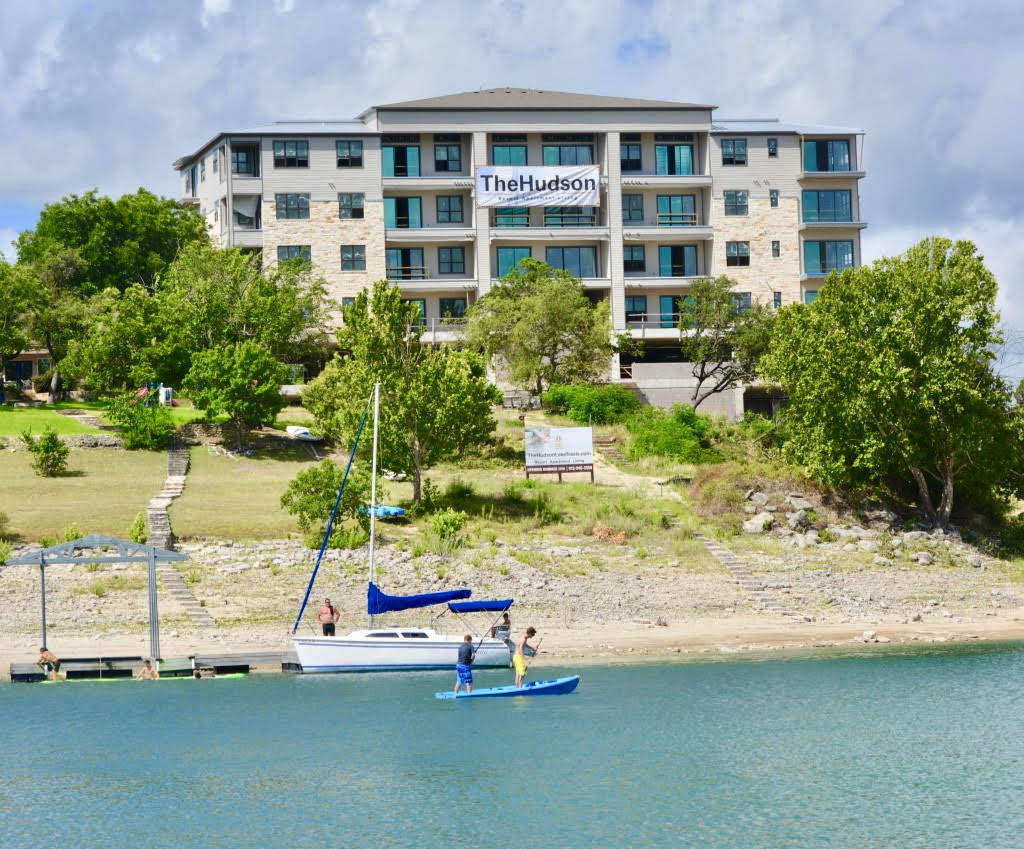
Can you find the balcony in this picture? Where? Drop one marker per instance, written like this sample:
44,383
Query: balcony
588,282
437,233
633,179
654,281
401,273
247,237
449,329
443,182
833,225
668,226
653,325
435,285
832,175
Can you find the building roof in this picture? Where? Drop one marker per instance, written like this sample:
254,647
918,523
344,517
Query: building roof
773,125
511,97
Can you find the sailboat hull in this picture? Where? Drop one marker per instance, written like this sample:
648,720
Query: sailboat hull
390,649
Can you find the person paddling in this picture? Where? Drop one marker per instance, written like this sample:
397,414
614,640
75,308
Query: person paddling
463,669
519,658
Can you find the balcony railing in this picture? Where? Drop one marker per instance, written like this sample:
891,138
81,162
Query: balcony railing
570,219
407,272
677,219
511,219
653,320
448,324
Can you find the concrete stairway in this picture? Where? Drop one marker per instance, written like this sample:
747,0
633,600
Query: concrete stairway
610,448
754,588
179,590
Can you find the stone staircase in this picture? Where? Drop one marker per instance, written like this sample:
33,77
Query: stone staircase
754,588
179,590
610,448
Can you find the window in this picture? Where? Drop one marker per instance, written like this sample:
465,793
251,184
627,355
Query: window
823,257
677,260
508,258
449,209
350,205
292,206
734,151
633,258
773,197
512,216
402,213
673,159
736,202
216,160
353,257
287,252
291,154
347,302
451,260
677,210
579,262
421,304
202,171
452,308
632,208
569,154
671,310
773,147
570,216
832,205
636,309
349,152
810,296
776,249
629,157
827,155
742,301
405,264
249,222
509,154
447,157
401,160
776,299
244,161
737,253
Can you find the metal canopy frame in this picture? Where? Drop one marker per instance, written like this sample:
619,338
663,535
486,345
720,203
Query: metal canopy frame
127,552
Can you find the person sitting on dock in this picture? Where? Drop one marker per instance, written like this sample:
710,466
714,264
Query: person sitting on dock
148,672
49,663
463,668
328,616
519,658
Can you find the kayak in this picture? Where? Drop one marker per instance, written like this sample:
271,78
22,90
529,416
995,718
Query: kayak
554,687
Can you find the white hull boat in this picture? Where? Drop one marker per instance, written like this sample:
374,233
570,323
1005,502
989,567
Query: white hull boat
393,648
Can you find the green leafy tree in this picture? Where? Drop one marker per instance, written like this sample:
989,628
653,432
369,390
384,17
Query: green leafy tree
889,378
311,495
541,328
723,339
242,381
142,425
120,243
435,402
49,453
19,294
210,297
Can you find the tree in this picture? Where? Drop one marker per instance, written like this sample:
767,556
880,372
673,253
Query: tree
311,495
49,453
435,402
130,240
541,327
889,375
143,424
210,297
242,381
723,339
18,297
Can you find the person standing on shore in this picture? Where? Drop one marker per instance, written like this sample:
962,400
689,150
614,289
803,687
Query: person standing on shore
48,662
519,658
148,672
463,668
328,616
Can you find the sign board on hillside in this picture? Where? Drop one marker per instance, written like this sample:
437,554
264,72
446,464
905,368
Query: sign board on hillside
556,450
538,185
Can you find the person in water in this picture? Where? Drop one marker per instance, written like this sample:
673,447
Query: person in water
463,668
48,662
148,672
519,658
328,616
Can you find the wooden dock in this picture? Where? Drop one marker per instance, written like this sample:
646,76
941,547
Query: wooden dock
82,668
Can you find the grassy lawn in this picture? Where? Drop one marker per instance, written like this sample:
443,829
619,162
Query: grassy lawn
103,493
14,420
237,497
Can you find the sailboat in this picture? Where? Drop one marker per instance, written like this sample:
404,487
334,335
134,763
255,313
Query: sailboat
391,647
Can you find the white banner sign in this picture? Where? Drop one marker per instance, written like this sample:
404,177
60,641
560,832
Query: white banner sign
549,185
559,446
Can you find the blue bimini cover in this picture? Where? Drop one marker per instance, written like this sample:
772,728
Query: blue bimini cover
477,606
378,602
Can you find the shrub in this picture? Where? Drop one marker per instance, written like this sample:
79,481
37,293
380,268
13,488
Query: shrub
139,530
442,537
311,495
5,525
147,427
681,435
49,452
6,549
41,382
589,403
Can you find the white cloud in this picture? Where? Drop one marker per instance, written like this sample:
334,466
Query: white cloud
214,9
7,236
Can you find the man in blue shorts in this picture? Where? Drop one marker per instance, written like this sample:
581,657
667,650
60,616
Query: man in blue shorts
463,668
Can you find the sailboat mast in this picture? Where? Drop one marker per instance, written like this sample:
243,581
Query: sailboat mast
373,486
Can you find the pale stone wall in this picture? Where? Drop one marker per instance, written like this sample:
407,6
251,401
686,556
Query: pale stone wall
325,233
760,226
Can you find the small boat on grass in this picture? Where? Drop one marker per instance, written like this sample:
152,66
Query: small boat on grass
554,687
302,434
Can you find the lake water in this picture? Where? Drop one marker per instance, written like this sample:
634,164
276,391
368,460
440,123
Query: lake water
920,750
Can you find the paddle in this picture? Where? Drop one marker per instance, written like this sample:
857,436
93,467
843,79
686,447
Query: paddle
536,651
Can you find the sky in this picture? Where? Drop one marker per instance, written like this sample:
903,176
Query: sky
107,94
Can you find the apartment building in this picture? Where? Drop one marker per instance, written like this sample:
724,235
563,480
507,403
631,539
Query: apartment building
682,195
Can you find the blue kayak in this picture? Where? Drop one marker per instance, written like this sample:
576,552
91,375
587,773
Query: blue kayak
554,687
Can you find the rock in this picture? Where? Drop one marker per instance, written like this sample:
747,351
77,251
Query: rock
798,519
748,494
923,557
868,637
812,537
849,547
884,562
975,560
868,545
798,502
883,640
760,523
808,618
750,508
913,536
759,498
916,617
